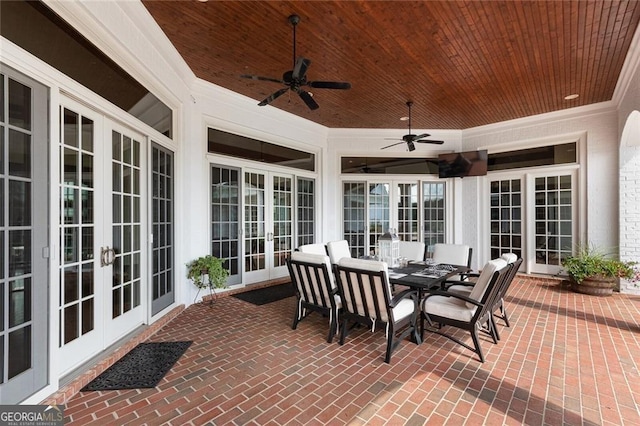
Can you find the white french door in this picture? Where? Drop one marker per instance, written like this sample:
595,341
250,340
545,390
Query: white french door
268,224
101,228
24,225
534,215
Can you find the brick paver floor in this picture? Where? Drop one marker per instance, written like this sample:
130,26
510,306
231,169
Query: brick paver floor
566,359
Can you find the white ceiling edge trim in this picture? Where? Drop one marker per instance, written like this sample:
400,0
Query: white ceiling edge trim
629,68
546,118
113,27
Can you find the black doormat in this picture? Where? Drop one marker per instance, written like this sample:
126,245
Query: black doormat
262,296
143,367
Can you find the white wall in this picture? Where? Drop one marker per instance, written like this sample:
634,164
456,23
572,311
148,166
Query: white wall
629,129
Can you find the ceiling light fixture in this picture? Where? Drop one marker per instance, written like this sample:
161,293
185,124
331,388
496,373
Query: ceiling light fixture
571,97
404,118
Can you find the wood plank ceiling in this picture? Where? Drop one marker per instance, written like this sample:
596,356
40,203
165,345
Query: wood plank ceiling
462,63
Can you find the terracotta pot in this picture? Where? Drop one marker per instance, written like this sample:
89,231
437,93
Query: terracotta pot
595,286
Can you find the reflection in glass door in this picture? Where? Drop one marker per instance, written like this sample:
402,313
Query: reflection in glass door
545,239
101,233
506,217
282,187
162,265
379,201
23,236
254,192
125,162
407,211
123,269
268,226
434,214
79,301
305,205
354,216
553,221
225,216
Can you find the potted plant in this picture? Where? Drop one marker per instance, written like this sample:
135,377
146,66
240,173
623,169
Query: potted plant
593,272
208,272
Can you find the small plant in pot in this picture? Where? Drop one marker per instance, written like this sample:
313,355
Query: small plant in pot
208,272
593,272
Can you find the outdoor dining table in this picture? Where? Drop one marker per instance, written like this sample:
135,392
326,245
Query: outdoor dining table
424,276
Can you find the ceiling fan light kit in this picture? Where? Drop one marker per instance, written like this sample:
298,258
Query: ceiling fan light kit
296,78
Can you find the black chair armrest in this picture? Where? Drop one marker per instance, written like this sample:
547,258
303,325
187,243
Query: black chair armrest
405,294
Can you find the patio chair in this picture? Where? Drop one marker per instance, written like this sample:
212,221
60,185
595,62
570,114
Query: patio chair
315,288
464,288
337,250
412,250
471,313
453,254
316,248
366,299
499,304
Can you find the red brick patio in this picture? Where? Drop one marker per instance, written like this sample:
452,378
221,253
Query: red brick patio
567,358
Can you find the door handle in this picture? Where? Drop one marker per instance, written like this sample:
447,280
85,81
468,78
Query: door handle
104,256
107,256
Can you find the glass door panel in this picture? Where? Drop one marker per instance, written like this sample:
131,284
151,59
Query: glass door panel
354,212
419,213
101,228
434,214
379,214
407,212
24,192
123,269
80,305
254,197
162,225
548,200
506,217
268,224
306,219
225,219
282,189
554,213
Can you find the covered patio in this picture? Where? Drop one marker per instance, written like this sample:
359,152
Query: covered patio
567,359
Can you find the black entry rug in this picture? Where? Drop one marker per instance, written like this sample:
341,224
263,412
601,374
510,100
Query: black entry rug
262,296
143,367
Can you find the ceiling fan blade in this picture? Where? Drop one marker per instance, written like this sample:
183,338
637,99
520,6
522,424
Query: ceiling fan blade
393,144
308,99
329,85
394,139
424,135
300,69
273,96
257,77
430,141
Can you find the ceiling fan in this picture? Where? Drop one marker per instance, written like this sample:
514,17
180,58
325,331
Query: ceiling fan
296,78
410,139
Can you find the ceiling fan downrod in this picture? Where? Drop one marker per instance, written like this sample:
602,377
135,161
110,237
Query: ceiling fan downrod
294,20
